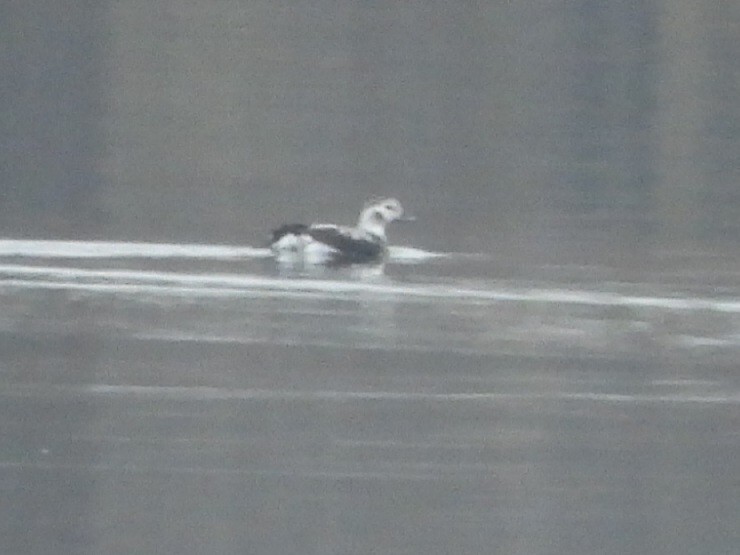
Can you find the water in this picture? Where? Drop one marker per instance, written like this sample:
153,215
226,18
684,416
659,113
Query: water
546,363
151,406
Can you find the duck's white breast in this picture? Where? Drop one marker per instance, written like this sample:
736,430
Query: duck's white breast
316,252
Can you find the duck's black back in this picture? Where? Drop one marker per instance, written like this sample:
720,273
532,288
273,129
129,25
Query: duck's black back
349,250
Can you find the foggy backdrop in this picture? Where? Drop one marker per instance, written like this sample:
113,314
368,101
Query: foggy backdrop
539,129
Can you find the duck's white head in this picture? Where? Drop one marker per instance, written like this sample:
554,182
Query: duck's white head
377,214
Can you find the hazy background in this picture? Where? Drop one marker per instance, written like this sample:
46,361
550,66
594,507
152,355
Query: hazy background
534,128
571,388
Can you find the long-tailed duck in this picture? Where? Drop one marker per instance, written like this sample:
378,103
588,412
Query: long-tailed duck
335,244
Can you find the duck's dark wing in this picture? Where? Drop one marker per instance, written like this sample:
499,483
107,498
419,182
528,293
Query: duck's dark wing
288,229
349,249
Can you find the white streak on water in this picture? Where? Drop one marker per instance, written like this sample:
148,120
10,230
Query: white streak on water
116,249
411,255
123,249
203,393
249,285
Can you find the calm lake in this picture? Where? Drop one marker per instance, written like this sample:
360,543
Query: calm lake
546,363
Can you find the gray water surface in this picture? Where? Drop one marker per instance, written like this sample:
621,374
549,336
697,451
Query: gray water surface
148,408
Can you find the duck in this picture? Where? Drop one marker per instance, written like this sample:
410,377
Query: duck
321,243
